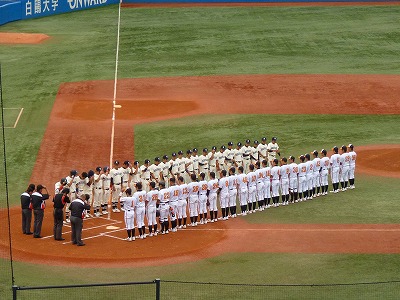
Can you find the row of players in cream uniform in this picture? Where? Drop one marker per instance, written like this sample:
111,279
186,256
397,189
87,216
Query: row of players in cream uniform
251,183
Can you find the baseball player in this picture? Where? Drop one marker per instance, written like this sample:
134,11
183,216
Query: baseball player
126,175
203,162
193,192
145,175
212,197
275,176
188,166
229,156
260,186
345,160
242,190
59,186
352,169
116,181
106,185
182,165
212,162
81,186
164,165
335,168
135,176
316,174
324,172
140,208
223,184
97,191
72,180
254,153
232,180
237,155
293,179
284,172
203,188
267,183
173,202
309,175
272,149
129,214
303,186
220,158
182,202
252,186
155,171
163,196
246,152
262,149
151,208
195,161
174,166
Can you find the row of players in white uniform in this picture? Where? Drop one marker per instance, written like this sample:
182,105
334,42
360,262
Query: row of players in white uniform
295,182
105,182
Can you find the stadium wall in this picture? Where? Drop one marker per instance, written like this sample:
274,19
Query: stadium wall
13,10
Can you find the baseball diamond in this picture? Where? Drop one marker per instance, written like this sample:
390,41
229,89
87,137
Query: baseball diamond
280,120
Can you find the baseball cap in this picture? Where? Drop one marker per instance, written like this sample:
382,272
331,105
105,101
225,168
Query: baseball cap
223,147
323,151
205,150
335,148
230,143
105,169
189,151
126,163
173,153
247,141
136,162
165,157
274,138
98,169
63,180
351,146
157,159
264,139
256,142
195,150
90,173
146,161
214,148
116,162
73,172
239,144
180,152
315,152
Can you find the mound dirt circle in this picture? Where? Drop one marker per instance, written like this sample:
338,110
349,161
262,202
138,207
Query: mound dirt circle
379,160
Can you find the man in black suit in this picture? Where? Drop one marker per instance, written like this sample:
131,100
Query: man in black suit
77,209
26,207
39,204
59,202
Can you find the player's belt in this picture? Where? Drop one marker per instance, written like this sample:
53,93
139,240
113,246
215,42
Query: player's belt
212,165
128,209
196,169
182,172
301,175
125,181
73,192
117,183
205,168
163,203
228,159
147,179
98,188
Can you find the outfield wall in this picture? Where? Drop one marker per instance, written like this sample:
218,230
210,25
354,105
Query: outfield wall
13,10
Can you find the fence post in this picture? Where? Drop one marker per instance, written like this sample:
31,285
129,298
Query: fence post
14,289
158,288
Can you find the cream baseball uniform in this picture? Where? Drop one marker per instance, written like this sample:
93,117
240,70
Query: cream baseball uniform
145,177
228,155
262,152
246,151
272,155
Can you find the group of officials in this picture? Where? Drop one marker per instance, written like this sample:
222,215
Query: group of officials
169,188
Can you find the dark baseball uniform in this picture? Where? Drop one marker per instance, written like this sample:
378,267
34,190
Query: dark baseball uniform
59,202
26,213
77,208
38,203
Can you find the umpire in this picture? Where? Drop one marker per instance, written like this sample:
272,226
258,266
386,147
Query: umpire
38,204
77,209
26,207
59,201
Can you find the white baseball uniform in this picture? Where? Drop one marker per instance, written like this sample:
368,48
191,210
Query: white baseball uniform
324,170
267,182
353,155
129,213
275,173
284,172
164,196
223,184
140,206
237,157
173,200
293,177
193,192
335,165
212,195
317,174
203,187
182,202
232,183
151,200
246,151
243,190
252,186
303,186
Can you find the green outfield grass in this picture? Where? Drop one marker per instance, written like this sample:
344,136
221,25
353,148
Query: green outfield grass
209,41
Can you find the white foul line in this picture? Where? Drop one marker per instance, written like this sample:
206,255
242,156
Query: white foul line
18,117
299,229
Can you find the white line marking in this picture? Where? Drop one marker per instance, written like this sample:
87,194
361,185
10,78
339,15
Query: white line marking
114,237
84,229
116,221
296,229
18,117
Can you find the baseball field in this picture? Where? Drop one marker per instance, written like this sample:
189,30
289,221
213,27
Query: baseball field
314,76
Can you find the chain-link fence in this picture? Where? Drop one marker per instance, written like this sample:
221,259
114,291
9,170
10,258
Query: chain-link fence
168,289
